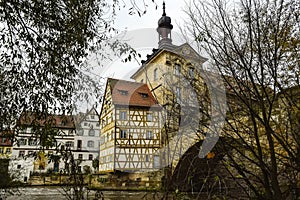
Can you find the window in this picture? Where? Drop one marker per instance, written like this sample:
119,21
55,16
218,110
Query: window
91,132
19,166
8,150
23,130
3,140
123,115
123,134
147,158
177,69
80,132
144,95
85,124
142,81
112,135
102,140
149,117
70,132
90,156
155,74
22,141
79,144
191,72
30,153
97,125
1,150
32,142
92,116
149,135
123,92
21,153
90,143
69,144
178,93
80,157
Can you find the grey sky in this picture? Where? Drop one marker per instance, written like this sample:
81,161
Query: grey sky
141,32
174,9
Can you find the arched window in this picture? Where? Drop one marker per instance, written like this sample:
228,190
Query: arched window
177,69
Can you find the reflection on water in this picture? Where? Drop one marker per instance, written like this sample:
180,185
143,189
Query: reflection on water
56,193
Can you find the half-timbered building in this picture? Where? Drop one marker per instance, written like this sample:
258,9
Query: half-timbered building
130,128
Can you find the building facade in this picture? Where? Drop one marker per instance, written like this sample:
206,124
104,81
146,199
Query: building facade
87,138
130,128
39,142
6,141
37,139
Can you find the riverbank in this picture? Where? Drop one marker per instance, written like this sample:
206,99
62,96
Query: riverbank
108,181
58,193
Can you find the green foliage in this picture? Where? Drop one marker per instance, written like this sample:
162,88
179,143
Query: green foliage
95,163
87,169
5,179
44,45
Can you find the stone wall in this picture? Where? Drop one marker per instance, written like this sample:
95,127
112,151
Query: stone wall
109,181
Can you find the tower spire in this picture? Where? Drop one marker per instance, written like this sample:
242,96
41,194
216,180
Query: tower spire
164,30
164,9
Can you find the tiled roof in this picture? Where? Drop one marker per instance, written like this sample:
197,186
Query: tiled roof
131,93
6,138
57,121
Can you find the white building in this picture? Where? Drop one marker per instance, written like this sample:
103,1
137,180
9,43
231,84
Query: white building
87,138
38,139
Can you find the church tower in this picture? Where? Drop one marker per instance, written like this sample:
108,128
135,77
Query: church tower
164,30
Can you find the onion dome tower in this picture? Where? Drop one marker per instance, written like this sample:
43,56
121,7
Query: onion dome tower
164,30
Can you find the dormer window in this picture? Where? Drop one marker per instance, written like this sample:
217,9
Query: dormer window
144,95
123,92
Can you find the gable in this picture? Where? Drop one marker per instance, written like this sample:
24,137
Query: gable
130,93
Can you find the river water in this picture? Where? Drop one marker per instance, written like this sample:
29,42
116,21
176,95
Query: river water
56,193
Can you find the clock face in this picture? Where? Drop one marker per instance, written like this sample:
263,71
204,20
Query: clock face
186,51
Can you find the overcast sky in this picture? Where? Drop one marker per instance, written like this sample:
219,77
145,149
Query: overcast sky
141,33
174,9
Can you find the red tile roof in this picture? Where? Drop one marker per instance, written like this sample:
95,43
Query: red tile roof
57,121
131,93
6,138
